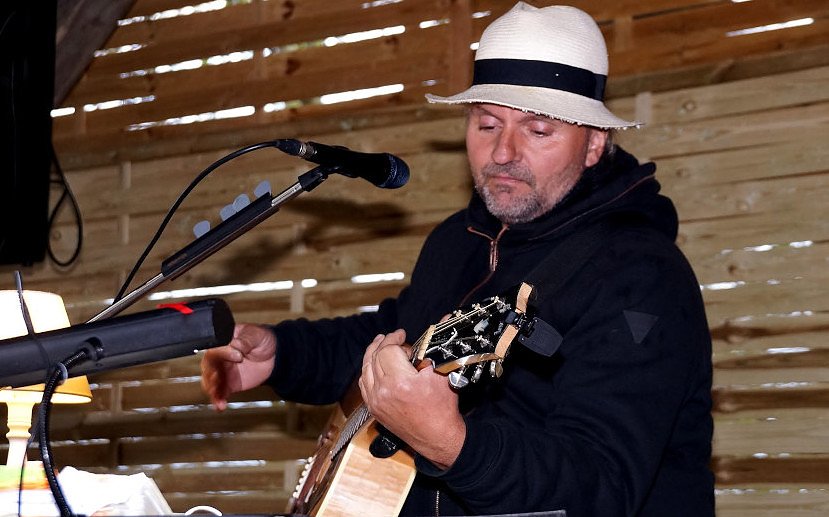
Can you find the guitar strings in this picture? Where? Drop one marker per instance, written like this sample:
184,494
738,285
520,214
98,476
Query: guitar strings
451,322
360,415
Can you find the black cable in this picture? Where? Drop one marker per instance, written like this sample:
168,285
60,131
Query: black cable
67,192
210,168
27,319
58,375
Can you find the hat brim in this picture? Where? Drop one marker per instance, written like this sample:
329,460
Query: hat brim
557,104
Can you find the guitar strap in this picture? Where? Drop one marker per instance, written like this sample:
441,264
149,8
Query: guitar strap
565,260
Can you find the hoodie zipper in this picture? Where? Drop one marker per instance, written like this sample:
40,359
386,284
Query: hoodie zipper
493,257
493,264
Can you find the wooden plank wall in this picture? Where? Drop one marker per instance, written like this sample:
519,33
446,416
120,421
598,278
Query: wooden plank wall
737,125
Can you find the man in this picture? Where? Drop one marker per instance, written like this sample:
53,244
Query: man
618,421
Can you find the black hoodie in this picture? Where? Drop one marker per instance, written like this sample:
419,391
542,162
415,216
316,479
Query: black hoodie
617,422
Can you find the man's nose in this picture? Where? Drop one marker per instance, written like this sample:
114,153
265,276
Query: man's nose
506,147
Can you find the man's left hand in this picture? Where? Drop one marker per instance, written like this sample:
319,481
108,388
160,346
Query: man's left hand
417,406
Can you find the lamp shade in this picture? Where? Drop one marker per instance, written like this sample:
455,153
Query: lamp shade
47,312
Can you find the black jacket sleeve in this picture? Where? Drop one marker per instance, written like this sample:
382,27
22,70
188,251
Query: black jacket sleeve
316,361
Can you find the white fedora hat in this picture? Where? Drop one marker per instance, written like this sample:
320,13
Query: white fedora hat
551,61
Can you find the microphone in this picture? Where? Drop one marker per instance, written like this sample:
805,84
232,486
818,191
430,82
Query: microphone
139,338
382,169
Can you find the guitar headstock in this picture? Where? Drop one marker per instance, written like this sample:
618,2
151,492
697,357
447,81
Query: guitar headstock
475,339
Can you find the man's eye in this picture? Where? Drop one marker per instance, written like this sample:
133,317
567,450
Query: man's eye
540,130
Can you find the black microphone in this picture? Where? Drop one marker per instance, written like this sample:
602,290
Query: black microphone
139,338
382,169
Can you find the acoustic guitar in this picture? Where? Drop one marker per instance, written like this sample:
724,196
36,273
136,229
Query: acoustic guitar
359,467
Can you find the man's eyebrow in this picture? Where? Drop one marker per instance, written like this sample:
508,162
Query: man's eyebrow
528,116
536,116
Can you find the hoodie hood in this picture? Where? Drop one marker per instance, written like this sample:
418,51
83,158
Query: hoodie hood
617,186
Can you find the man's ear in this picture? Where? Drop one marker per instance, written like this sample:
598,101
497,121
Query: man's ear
596,139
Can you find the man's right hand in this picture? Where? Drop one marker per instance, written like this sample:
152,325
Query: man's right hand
244,363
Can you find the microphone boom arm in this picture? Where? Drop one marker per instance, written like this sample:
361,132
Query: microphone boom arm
219,237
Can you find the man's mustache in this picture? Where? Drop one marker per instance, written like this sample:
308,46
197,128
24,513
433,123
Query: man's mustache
512,170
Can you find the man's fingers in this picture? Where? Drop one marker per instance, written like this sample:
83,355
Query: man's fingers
228,353
213,380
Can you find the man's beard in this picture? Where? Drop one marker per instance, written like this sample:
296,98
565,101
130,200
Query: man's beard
521,208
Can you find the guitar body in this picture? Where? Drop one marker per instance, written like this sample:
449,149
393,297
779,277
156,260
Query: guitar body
344,478
352,480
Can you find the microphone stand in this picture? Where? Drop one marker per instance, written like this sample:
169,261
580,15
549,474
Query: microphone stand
217,238
229,230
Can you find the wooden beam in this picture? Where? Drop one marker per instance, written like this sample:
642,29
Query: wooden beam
83,26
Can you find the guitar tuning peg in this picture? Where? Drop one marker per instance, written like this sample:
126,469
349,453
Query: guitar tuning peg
200,228
496,369
457,380
226,212
241,201
263,188
476,375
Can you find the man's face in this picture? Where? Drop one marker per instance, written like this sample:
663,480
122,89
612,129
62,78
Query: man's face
524,164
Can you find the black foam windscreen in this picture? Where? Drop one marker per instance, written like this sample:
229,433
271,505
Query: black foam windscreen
139,338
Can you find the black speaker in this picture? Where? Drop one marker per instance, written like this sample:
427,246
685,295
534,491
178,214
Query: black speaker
27,78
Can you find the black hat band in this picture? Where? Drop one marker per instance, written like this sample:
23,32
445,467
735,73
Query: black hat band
543,74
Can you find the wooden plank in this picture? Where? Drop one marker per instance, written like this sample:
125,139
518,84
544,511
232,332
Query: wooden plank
290,10
785,195
290,419
769,500
604,11
737,347
800,197
800,469
734,400
708,238
730,167
772,432
802,357
717,72
287,11
182,449
180,392
698,35
751,336
745,96
247,27
781,377
198,448
785,298
743,131
754,265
